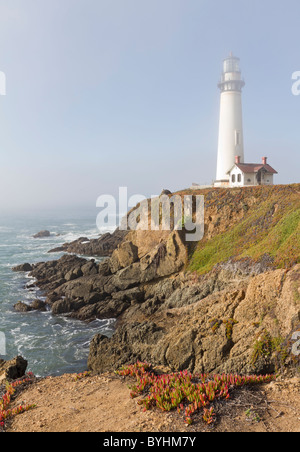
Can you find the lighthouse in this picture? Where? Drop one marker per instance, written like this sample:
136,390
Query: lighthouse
231,140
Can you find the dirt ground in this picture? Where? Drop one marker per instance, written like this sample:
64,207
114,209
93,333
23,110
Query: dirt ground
103,404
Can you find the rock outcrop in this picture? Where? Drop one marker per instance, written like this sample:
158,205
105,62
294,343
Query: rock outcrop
36,305
239,328
23,268
22,307
13,369
104,246
87,290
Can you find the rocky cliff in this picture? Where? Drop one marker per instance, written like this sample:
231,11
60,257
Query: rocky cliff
229,303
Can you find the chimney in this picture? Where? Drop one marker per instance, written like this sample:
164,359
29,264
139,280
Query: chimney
237,159
264,160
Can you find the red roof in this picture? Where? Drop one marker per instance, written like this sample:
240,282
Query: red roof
254,168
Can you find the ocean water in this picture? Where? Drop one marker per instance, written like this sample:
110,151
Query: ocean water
53,345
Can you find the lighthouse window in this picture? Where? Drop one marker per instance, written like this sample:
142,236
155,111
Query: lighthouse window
231,65
237,138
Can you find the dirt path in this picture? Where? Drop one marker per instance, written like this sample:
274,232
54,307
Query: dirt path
93,404
102,404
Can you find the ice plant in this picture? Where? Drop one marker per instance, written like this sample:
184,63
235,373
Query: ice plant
208,415
183,391
82,375
5,401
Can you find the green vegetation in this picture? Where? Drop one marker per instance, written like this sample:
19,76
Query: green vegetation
229,324
266,345
215,324
252,416
270,226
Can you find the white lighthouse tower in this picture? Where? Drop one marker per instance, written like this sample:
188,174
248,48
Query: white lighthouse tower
231,141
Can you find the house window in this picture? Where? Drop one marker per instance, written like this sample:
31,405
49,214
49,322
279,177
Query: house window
233,178
239,178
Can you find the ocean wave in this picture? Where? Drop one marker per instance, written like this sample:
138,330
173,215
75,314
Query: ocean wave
59,236
5,229
10,245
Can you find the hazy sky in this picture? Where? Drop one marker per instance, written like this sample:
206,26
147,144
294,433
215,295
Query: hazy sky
109,93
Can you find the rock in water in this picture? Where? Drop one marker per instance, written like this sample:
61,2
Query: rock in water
42,235
38,305
22,307
23,268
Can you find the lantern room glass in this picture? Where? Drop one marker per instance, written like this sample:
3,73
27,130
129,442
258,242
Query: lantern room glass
231,64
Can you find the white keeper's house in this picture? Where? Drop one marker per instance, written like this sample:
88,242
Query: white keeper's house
243,174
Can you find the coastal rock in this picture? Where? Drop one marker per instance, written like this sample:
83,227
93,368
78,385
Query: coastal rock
61,307
80,288
166,258
124,279
181,354
22,307
230,330
125,255
106,309
104,267
23,268
51,275
106,354
104,246
13,369
42,235
89,269
73,274
38,305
